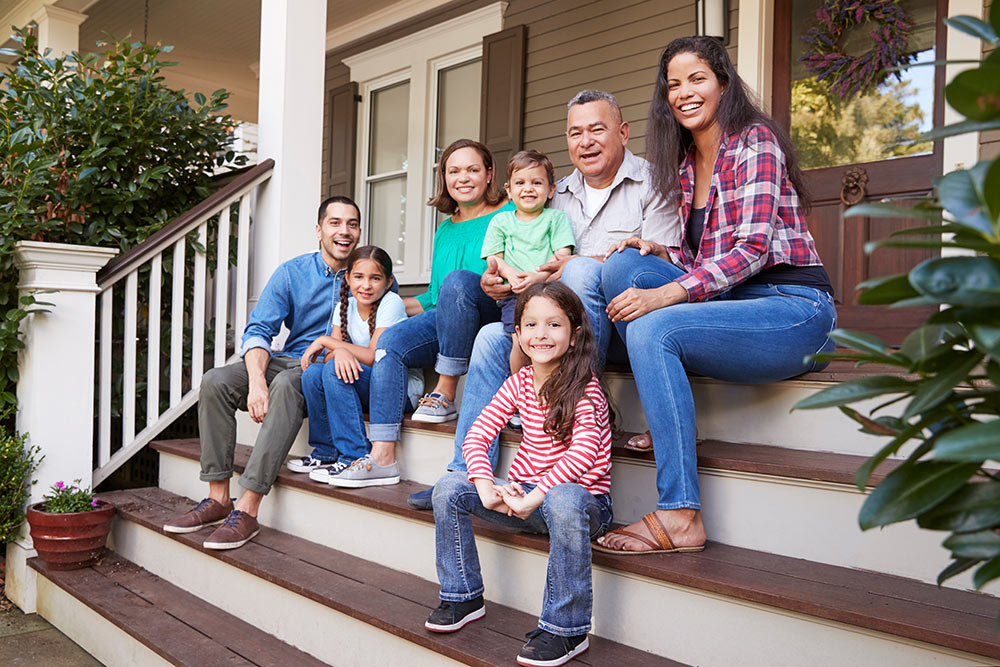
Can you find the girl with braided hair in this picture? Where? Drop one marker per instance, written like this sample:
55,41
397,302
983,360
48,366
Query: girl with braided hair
337,390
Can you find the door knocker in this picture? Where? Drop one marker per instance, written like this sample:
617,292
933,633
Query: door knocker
853,186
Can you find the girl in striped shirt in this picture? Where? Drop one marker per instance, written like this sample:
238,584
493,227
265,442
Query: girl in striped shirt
558,483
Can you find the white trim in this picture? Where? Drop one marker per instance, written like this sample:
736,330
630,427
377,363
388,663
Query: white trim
961,152
754,47
417,58
379,20
51,12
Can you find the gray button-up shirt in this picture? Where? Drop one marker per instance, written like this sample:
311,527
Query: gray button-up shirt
633,209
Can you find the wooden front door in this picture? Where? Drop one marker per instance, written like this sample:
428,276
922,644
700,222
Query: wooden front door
858,149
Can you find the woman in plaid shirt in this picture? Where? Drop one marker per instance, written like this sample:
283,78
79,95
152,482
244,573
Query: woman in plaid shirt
743,299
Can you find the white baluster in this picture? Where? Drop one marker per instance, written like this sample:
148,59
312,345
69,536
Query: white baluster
222,286
198,310
128,367
104,382
177,324
153,336
242,269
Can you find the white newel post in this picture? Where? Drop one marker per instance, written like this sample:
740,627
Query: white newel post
55,391
290,125
58,29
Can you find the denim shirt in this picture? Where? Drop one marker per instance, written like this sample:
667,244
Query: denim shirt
300,294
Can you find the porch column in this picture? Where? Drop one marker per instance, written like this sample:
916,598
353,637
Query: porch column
58,29
55,390
290,124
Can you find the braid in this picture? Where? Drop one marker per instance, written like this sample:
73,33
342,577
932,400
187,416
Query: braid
344,292
371,318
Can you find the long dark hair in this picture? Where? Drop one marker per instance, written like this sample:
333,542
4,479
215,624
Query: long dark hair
383,260
568,383
667,142
443,200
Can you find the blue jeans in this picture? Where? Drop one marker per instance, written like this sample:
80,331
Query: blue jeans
442,337
750,334
583,276
570,515
335,412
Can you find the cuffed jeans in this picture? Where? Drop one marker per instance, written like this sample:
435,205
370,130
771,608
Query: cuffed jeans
442,337
750,334
570,515
224,391
335,412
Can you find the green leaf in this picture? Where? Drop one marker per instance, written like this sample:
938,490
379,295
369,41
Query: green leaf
934,390
869,425
991,189
972,442
869,344
885,290
880,210
971,25
911,490
975,93
957,566
855,390
962,193
967,281
929,340
981,545
995,17
964,127
199,98
986,573
975,506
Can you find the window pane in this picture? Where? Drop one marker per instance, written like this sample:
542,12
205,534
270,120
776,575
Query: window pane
387,217
389,120
457,104
828,130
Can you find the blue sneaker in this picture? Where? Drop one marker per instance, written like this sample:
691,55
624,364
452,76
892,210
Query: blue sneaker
421,500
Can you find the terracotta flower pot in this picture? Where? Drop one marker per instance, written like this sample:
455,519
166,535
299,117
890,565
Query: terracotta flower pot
72,540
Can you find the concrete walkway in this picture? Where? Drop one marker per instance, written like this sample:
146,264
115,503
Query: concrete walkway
28,640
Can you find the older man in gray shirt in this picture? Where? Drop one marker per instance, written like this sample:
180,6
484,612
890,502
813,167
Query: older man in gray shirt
608,197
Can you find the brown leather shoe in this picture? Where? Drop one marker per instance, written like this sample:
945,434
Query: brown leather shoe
238,529
206,513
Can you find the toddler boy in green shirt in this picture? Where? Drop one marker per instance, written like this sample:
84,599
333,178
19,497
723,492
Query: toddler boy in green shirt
531,235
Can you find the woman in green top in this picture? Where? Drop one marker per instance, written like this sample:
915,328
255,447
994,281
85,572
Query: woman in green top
444,320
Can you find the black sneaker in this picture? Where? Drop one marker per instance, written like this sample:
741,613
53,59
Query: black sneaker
452,616
545,649
307,464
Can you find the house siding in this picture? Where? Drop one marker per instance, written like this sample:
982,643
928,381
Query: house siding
574,45
989,142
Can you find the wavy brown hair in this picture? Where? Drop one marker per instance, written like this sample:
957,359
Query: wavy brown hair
443,200
568,384
382,258
667,142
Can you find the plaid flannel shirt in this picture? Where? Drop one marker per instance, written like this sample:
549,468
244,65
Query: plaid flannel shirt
754,218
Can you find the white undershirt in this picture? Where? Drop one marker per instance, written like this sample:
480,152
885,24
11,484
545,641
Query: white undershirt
594,199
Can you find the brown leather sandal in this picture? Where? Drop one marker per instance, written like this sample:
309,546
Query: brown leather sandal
662,545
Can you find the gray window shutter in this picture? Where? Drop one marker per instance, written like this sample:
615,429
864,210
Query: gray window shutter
343,140
502,108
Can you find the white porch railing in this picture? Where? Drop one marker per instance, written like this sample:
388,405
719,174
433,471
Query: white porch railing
139,389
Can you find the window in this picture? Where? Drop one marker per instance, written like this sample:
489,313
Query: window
418,94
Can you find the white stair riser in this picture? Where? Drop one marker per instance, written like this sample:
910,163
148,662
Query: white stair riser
98,636
816,521
328,635
630,609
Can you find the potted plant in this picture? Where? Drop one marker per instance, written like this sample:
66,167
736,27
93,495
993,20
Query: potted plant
70,527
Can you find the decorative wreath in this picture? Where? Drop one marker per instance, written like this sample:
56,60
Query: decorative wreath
846,75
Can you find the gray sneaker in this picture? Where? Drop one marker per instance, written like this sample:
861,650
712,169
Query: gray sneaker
365,472
434,408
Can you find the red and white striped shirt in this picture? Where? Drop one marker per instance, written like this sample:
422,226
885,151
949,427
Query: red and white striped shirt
540,460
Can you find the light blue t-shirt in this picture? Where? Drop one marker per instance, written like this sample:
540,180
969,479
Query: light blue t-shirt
390,311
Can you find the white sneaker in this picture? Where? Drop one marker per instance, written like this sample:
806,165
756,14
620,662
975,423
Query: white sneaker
307,464
365,472
324,473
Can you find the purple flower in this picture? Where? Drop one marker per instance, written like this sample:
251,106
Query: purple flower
93,503
60,485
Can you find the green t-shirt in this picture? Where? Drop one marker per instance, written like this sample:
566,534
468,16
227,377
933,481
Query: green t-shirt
526,245
457,246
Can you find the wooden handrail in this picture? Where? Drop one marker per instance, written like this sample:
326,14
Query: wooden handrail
180,225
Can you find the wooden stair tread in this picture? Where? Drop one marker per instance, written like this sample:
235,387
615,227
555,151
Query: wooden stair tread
173,623
954,619
390,600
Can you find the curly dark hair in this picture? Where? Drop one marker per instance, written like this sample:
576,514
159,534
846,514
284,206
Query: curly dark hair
667,142
568,383
364,252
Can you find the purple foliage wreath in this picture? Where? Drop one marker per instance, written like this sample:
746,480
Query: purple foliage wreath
849,76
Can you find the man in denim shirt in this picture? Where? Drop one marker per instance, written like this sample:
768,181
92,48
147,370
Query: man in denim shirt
300,294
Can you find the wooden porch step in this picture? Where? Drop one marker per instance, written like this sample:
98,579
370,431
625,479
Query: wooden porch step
174,624
393,601
959,620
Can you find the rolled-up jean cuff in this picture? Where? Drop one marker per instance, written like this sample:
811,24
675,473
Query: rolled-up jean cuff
451,365
256,487
679,505
384,432
215,476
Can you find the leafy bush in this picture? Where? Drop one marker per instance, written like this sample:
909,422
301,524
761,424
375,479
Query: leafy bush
65,498
96,150
947,403
17,464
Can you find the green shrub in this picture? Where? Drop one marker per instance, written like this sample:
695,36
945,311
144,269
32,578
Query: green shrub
96,150
946,409
17,464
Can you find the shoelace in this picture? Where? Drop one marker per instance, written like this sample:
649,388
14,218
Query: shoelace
433,401
202,505
232,519
365,462
337,467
